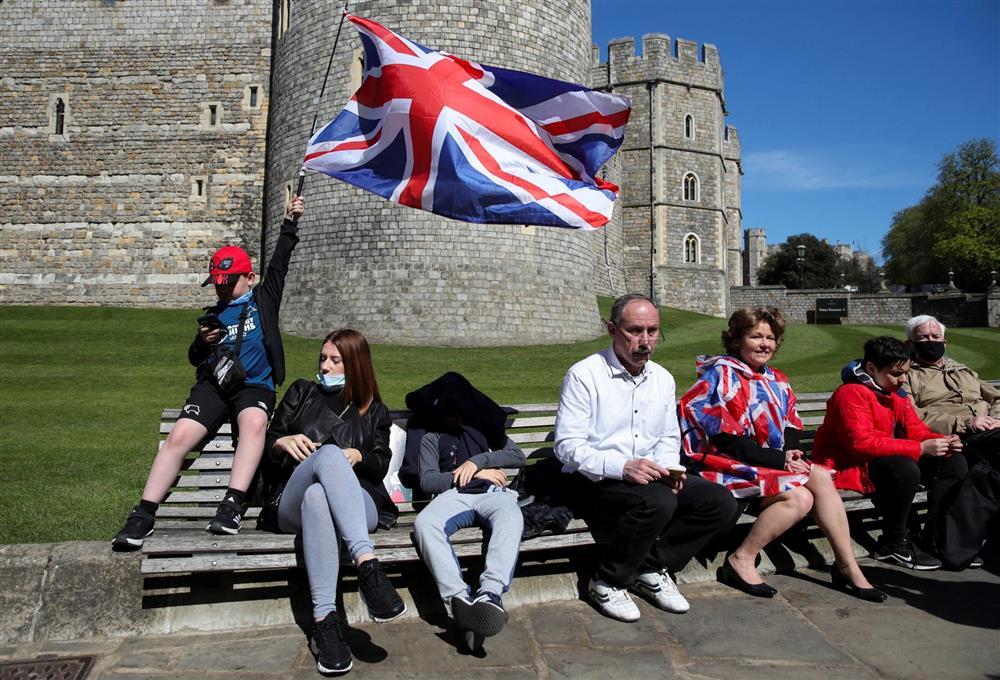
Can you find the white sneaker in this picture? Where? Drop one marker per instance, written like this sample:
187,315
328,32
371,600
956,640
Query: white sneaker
611,601
660,589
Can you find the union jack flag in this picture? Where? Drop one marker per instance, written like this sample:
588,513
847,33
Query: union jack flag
749,481
729,397
472,142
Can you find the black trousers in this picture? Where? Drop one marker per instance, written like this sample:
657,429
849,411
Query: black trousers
647,527
897,479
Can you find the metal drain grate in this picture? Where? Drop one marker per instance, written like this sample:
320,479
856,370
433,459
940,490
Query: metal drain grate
74,668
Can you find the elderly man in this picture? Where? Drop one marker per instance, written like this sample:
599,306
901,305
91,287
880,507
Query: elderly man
617,435
950,397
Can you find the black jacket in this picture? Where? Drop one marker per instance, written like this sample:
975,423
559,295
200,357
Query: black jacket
267,295
303,411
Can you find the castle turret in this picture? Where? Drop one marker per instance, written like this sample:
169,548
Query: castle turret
680,205
754,253
400,274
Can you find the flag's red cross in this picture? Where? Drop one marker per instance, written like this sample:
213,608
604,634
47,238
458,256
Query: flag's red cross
443,84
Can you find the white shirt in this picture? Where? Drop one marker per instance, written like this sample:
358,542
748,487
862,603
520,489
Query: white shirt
607,417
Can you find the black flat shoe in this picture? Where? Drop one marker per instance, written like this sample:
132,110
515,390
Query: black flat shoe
840,582
728,576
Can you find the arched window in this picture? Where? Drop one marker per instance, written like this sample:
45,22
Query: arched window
691,187
356,70
60,116
692,249
284,16
689,126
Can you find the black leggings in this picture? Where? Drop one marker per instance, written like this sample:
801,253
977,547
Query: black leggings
896,480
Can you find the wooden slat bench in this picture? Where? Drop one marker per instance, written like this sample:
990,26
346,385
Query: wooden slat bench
181,545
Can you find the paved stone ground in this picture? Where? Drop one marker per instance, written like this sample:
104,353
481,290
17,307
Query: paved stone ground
936,625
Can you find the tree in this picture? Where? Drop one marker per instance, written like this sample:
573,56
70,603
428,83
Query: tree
955,227
821,269
862,273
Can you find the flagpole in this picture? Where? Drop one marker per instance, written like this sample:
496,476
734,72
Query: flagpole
319,99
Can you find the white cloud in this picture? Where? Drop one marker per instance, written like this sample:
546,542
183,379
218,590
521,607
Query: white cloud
796,171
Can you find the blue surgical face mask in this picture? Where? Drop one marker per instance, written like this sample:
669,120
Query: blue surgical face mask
330,381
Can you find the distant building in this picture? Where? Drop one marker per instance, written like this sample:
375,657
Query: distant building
756,249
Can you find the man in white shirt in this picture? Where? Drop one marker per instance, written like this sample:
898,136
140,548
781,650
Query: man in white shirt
616,435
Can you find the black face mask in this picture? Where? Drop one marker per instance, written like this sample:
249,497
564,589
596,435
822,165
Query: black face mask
928,351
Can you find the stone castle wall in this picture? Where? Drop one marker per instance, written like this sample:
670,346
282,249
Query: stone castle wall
163,151
667,83
993,307
798,306
403,275
609,242
109,212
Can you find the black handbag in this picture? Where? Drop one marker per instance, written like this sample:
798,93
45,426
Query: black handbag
223,365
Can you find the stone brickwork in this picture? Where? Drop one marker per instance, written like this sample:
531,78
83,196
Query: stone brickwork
125,206
399,274
609,242
754,254
993,307
798,306
134,136
677,128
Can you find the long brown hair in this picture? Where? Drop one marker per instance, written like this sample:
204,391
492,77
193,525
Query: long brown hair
360,385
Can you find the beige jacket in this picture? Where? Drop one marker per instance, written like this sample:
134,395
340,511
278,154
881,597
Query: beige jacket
947,396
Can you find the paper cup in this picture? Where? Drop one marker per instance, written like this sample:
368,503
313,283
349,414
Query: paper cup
676,471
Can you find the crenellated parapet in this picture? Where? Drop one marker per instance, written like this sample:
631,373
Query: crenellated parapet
731,143
679,61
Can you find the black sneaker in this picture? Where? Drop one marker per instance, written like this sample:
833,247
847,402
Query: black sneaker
484,615
382,600
976,563
329,646
138,527
228,518
906,554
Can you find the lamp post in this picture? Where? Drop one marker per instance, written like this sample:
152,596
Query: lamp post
800,260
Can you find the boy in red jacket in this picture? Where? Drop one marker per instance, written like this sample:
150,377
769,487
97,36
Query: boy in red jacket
878,445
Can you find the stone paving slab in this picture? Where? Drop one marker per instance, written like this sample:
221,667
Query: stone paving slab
936,625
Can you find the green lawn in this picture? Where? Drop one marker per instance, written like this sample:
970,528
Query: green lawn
83,389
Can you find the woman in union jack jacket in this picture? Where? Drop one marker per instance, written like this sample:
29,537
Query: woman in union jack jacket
740,429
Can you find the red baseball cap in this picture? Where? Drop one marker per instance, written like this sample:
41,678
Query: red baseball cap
227,264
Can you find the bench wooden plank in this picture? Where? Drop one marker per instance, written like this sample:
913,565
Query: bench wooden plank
182,546
212,562
218,479
186,542
195,512
212,462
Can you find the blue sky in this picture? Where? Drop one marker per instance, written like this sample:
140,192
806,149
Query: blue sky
843,108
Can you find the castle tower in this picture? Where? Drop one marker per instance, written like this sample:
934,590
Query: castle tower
755,252
133,146
681,212
403,275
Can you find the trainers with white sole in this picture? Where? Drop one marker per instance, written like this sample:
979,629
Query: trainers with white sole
612,601
661,591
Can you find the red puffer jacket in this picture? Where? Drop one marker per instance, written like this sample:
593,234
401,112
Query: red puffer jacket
860,425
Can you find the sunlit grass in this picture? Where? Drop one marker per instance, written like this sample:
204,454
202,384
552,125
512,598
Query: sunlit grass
83,388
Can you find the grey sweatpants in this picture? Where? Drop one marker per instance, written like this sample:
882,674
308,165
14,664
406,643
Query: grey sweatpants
324,501
497,511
